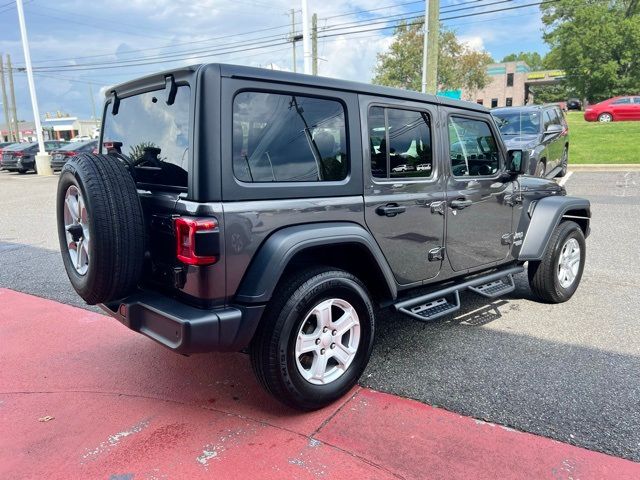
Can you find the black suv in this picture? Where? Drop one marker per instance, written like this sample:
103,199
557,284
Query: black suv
235,208
540,130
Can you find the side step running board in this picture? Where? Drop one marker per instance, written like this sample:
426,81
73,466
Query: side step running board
447,300
434,309
496,288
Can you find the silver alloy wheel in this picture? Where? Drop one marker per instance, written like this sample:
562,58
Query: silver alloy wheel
327,341
605,117
76,226
569,263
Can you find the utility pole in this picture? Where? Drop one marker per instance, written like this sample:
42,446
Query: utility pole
425,44
43,160
293,37
5,106
306,37
433,33
13,109
93,103
314,43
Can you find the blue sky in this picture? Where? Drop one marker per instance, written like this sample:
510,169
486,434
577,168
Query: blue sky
79,41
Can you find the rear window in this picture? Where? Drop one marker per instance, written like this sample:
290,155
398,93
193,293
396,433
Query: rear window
154,136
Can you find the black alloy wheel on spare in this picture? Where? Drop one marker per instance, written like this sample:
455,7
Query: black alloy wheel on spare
100,227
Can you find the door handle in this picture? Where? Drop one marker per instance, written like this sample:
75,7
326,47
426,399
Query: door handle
390,210
460,204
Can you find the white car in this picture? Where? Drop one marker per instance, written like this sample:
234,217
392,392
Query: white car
423,166
81,138
402,168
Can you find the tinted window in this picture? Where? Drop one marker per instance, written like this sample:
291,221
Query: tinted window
494,102
472,148
400,143
549,118
509,79
154,135
636,100
622,101
288,138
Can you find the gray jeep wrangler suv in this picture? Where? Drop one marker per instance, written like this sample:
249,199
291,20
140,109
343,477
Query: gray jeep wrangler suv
236,208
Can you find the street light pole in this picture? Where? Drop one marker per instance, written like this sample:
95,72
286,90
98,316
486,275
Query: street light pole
43,164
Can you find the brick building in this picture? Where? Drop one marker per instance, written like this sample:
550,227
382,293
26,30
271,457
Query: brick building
512,84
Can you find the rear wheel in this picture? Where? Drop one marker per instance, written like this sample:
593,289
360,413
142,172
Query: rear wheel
100,227
315,339
556,277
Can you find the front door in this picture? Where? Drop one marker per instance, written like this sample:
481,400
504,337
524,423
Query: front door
403,190
479,195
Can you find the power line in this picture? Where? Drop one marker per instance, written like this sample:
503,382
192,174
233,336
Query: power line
254,45
174,45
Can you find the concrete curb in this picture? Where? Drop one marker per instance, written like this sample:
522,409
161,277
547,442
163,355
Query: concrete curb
604,167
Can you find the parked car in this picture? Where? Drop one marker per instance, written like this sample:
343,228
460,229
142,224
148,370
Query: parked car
403,168
616,109
4,145
60,156
423,167
21,157
81,138
542,132
298,169
574,104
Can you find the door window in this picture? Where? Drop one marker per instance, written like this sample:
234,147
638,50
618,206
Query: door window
622,101
400,143
288,138
472,148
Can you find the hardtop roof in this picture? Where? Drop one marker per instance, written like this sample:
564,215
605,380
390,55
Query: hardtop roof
263,74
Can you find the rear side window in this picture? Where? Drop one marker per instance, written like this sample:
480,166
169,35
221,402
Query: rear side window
472,148
288,138
400,143
153,136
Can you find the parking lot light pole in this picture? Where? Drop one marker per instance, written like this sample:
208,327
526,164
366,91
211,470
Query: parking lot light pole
43,160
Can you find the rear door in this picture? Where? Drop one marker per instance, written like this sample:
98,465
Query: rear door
623,109
403,186
636,109
479,209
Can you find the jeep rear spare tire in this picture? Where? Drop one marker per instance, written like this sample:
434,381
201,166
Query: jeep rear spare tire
100,227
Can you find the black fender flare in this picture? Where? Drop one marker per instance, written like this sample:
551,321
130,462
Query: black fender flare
547,214
276,252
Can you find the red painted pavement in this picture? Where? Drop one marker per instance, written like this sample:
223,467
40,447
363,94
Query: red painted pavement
123,407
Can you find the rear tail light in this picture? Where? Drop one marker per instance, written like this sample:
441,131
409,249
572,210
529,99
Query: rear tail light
71,154
197,240
18,154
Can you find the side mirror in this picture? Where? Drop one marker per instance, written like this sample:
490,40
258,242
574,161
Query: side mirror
554,129
516,162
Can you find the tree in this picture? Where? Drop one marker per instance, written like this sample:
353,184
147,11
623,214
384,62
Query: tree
459,66
533,59
596,43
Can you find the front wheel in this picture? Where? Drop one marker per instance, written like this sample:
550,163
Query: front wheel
315,339
540,169
556,277
605,118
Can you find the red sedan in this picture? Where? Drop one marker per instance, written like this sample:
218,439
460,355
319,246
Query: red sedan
615,109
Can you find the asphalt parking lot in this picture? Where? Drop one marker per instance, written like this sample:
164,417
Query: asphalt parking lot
568,372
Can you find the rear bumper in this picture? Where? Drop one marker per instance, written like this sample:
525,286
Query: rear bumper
183,328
